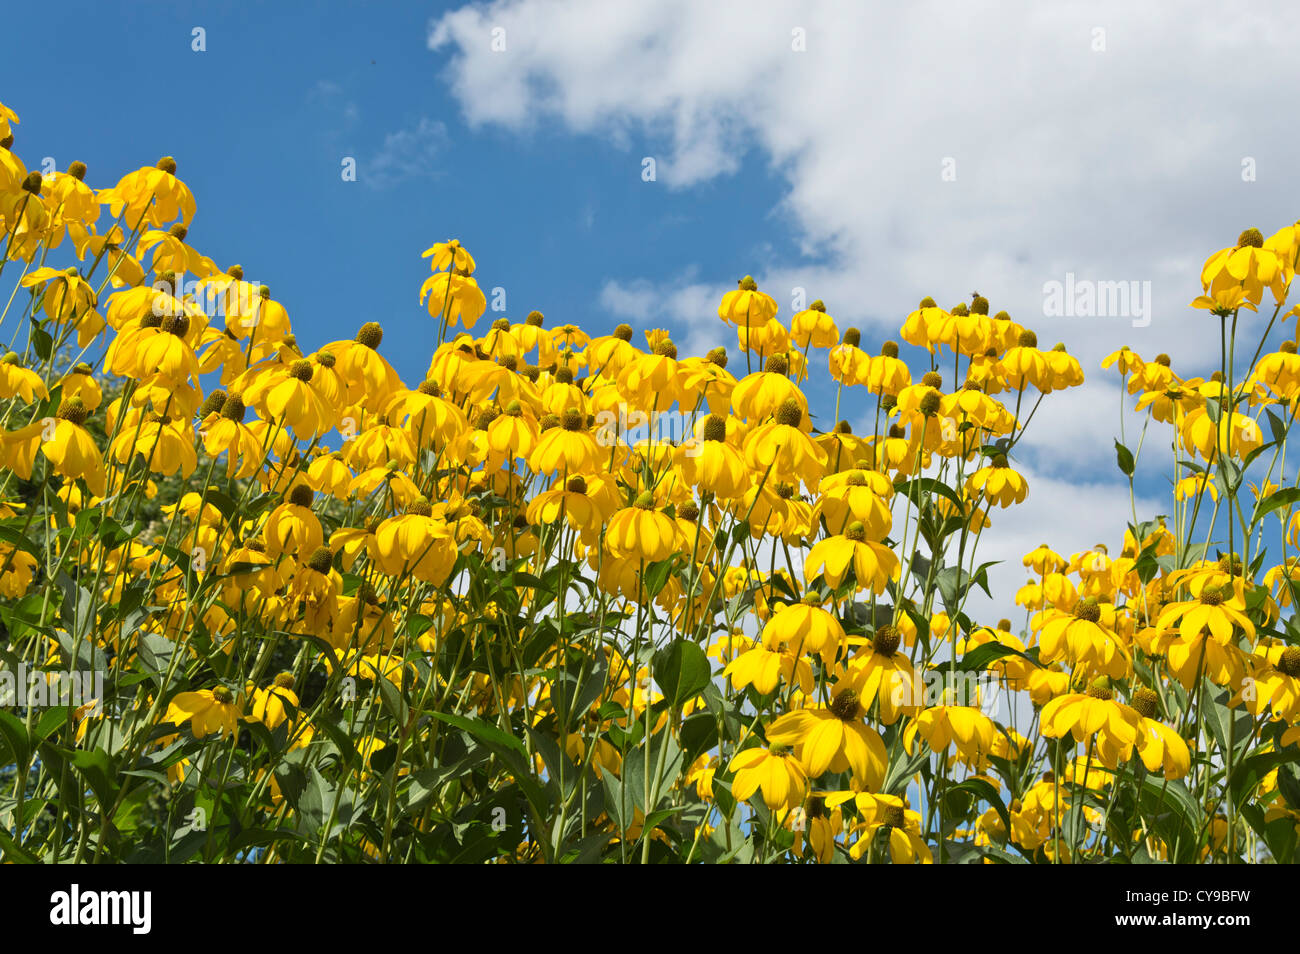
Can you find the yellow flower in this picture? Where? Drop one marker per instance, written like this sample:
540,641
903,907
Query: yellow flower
655,381
764,669
271,706
370,379
1273,683
970,730
782,450
848,363
1249,266
227,434
1025,364
70,448
760,395
291,527
1091,713
287,395
643,533
7,116
453,298
567,448
814,327
17,570
834,739
566,501
1238,434
880,673
166,445
1219,609
416,543
171,254
805,628
67,298
747,306
449,254
773,770
1159,746
886,374
901,826
151,193
1189,488
1125,360
610,354
1079,639
1044,560
23,382
207,711
1225,301
997,483
873,564
712,464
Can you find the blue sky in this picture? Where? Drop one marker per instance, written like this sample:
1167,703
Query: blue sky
260,123
803,143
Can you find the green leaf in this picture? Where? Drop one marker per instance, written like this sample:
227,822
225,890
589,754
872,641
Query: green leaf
224,504
1227,476
156,652
557,763
928,485
42,342
1285,497
1147,564
620,807
682,671
953,582
1125,459
902,767
51,720
981,656
643,761
14,852
510,750
22,542
1001,855
1276,426
96,767
574,696
982,791
1288,784
1279,834
657,575
1177,813
490,735
700,734
321,798
393,702
13,734
1249,772
1219,718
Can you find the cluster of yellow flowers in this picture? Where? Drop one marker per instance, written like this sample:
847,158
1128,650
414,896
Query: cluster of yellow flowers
746,640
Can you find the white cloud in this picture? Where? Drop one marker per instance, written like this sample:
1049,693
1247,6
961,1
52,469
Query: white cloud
1068,514
1073,433
1115,165
676,305
1119,164
333,96
406,154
